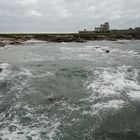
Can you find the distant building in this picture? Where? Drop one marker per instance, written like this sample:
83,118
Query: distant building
103,28
85,30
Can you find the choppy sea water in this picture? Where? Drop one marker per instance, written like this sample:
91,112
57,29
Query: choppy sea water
70,91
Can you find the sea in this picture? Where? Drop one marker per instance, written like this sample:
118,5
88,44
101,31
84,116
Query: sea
70,91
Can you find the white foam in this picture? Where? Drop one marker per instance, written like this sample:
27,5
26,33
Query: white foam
103,106
42,124
89,52
123,40
134,95
20,80
107,85
6,70
35,41
33,57
46,74
26,72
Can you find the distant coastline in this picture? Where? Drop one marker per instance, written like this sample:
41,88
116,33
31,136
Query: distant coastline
19,38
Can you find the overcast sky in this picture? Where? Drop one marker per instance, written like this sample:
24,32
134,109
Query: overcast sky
66,15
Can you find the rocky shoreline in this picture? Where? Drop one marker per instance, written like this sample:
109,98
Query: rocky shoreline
16,39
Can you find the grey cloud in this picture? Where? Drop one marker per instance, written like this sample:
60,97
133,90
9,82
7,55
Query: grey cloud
66,15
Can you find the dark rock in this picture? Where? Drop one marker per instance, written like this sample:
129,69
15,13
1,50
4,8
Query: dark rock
66,38
57,39
100,37
1,70
125,36
112,39
62,38
130,37
2,44
107,51
51,99
15,43
80,40
97,47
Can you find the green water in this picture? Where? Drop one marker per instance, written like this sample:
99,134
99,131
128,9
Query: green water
70,91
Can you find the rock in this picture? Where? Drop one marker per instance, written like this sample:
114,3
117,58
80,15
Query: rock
66,38
125,36
130,37
57,38
112,39
100,37
80,40
62,38
2,44
1,70
97,47
15,43
107,51
137,36
51,99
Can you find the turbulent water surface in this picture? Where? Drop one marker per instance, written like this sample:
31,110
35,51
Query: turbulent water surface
70,91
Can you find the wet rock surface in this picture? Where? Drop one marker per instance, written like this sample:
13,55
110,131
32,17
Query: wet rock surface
2,44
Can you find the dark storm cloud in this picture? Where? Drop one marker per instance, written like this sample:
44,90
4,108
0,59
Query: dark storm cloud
66,15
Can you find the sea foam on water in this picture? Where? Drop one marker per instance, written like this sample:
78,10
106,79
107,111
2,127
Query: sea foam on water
6,70
111,88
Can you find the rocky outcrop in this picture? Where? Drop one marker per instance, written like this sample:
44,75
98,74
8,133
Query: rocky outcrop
136,36
15,43
111,39
66,38
80,40
10,41
61,38
2,44
124,36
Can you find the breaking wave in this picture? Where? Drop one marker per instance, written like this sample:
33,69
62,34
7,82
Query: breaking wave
112,88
